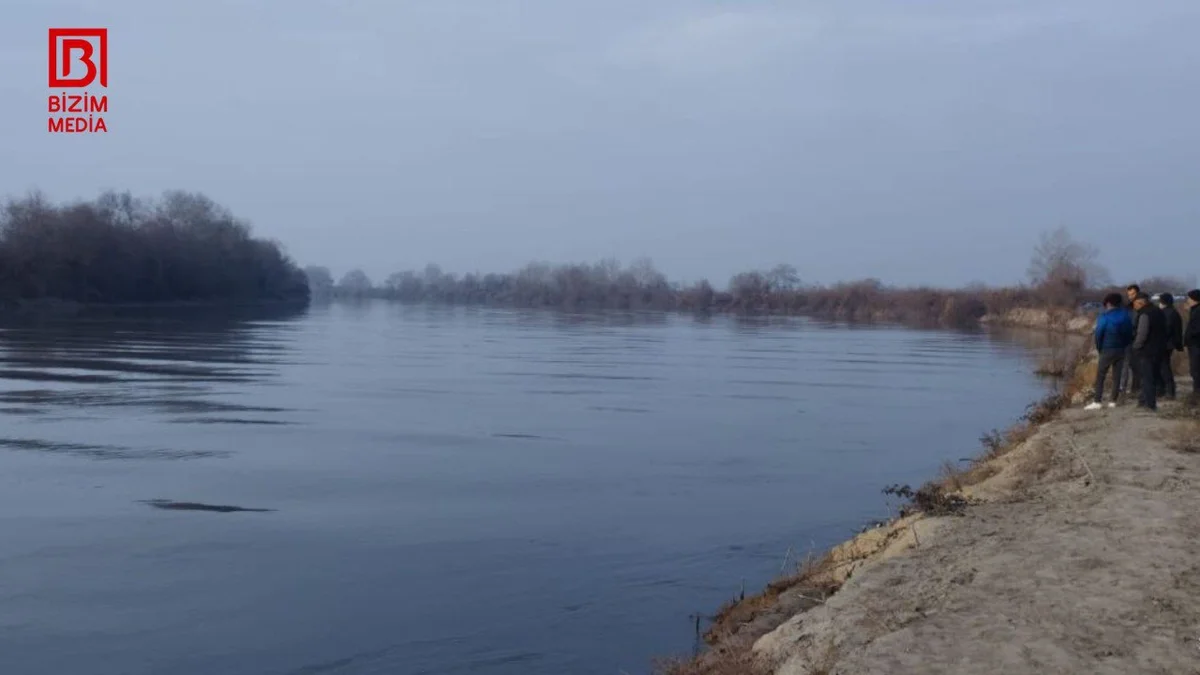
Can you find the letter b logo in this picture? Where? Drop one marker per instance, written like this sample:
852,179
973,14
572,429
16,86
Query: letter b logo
73,49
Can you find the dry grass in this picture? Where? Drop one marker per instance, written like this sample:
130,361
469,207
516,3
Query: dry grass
1019,433
810,580
715,662
952,476
738,623
1082,380
1185,437
996,445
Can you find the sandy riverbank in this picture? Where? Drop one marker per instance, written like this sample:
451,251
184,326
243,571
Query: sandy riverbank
1077,550
1078,323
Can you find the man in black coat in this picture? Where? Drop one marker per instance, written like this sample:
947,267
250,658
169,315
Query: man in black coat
1149,346
1166,379
1133,375
1191,339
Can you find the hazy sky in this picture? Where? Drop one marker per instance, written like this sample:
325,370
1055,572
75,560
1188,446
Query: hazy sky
918,141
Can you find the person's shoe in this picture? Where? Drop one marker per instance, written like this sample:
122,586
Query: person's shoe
1092,406
1112,404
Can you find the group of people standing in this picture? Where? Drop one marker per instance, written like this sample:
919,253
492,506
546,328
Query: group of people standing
1138,339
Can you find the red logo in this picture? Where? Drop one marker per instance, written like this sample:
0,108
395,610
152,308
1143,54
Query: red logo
78,59
92,46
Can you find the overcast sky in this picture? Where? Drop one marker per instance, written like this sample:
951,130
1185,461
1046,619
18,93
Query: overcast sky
918,141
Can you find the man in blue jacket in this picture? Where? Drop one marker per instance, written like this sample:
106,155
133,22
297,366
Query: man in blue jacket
1114,335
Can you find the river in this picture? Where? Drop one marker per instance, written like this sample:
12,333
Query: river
450,490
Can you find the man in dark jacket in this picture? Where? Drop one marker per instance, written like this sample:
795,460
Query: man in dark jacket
1114,335
1166,379
1191,339
1149,346
1132,374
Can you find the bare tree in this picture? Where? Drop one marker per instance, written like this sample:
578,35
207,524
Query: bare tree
1062,268
783,277
749,289
1170,284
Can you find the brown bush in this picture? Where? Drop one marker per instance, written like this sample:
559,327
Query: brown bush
932,498
716,662
1185,437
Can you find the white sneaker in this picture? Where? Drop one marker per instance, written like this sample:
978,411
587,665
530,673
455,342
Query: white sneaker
1092,406
1112,404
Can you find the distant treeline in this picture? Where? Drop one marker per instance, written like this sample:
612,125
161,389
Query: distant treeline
119,249
607,285
1063,274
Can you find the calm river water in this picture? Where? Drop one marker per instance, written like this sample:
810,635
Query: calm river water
451,490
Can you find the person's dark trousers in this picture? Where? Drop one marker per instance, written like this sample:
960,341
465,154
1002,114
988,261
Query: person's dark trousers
1113,359
1147,364
1133,372
1194,367
1166,377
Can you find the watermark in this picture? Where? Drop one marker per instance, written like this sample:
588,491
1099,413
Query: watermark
78,59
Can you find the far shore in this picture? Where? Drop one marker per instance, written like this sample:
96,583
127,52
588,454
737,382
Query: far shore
57,307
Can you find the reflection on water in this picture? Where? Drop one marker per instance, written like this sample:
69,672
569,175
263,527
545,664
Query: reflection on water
102,451
443,490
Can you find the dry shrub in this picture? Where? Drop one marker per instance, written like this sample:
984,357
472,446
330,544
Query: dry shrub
715,662
1037,414
810,580
870,300
993,443
1018,434
931,499
980,472
952,476
738,623
1082,378
1185,437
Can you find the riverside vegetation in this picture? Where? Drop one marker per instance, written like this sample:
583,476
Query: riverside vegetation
1063,274
118,249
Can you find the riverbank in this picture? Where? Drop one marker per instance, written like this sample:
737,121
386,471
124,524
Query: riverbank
1071,546
69,309
1074,323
